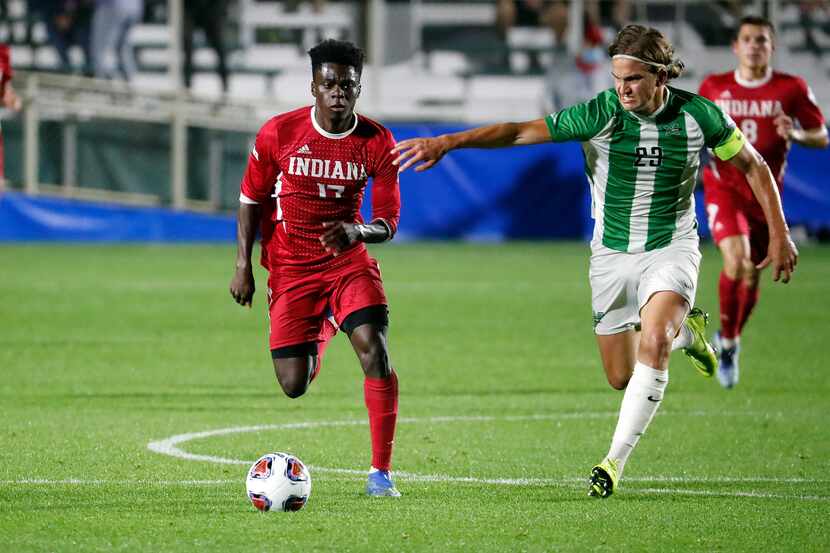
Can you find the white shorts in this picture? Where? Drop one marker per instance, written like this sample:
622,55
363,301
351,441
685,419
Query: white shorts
622,283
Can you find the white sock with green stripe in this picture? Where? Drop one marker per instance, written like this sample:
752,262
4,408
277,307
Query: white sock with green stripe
641,400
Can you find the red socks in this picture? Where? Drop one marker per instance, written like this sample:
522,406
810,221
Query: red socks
381,395
730,305
736,303
748,298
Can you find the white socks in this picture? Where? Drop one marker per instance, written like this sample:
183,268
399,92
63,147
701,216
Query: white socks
641,400
729,343
684,338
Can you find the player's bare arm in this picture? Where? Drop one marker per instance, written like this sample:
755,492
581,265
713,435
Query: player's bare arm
782,254
242,286
339,235
9,98
429,151
811,138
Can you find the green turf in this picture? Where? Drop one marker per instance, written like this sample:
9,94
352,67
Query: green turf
104,349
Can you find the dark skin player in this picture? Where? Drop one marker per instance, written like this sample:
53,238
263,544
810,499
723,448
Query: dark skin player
335,88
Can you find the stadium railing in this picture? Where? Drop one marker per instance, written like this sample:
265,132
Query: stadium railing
72,101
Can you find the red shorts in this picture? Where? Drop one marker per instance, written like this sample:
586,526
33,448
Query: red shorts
301,299
731,215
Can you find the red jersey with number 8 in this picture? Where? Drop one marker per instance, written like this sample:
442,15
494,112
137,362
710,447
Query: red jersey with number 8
754,105
304,176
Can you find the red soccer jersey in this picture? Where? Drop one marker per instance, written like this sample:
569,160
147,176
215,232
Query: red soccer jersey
5,66
5,76
754,105
305,176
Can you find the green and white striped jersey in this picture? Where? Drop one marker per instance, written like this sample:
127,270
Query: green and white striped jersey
643,169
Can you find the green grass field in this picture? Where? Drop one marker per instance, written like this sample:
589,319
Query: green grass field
504,408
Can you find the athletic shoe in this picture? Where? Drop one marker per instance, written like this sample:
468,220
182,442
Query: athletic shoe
728,368
380,484
603,479
701,354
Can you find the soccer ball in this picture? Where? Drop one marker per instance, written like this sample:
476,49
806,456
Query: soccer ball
278,482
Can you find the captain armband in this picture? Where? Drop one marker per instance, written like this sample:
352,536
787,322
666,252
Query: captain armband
731,146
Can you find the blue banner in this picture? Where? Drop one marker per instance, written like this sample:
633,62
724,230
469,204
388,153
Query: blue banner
530,192
36,218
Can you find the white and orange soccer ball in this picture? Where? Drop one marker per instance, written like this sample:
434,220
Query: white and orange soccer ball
278,482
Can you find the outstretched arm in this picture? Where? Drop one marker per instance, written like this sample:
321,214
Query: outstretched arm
242,284
781,253
811,138
429,151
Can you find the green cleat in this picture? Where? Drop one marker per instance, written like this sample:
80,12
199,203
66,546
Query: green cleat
603,479
701,354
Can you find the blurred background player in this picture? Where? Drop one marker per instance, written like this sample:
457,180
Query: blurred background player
68,24
320,158
8,98
641,142
571,78
5,82
522,13
764,104
111,26
210,17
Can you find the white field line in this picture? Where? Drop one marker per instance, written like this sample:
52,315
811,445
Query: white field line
82,482
355,474
572,483
752,494
169,446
